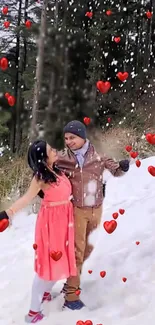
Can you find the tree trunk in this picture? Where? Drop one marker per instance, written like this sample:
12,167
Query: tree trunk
39,72
15,109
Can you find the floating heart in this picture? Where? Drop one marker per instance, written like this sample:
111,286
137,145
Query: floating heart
89,14
109,119
137,242
138,163
28,24
35,246
103,87
133,154
103,274
108,12
128,148
90,271
5,10
110,226
150,138
86,120
6,24
56,255
11,100
4,223
122,76
117,39
4,64
115,215
87,322
77,292
151,170
121,211
149,14
124,279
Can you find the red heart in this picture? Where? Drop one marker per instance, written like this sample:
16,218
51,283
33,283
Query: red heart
151,170
138,163
108,12
110,226
4,64
90,271
56,255
5,10
86,120
150,138
103,87
87,322
133,154
128,148
103,274
117,39
149,14
11,100
6,24
28,24
4,223
109,119
78,292
115,215
137,242
121,211
35,246
122,76
124,279
89,14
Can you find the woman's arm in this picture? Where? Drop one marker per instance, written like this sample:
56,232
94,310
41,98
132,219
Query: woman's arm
26,198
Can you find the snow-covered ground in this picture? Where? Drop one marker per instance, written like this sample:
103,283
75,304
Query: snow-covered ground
109,300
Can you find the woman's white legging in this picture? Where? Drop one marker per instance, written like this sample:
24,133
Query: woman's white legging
39,286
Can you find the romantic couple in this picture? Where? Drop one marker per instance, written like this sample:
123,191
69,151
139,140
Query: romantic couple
70,210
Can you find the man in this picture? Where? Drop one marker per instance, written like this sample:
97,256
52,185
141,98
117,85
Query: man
84,167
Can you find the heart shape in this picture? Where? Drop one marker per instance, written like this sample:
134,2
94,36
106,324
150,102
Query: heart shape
77,292
89,14
150,137
149,14
128,148
87,322
103,274
86,120
35,246
90,271
115,215
4,223
122,76
137,242
151,170
117,39
121,211
103,87
133,154
56,255
124,279
138,163
108,12
110,226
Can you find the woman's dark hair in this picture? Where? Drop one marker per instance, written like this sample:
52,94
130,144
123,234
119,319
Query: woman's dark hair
37,155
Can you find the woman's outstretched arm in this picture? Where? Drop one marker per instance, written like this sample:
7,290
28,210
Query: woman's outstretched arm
22,202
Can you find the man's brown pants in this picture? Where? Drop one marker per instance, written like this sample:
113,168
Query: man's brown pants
86,220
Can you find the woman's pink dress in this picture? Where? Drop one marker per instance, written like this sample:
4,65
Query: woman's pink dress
54,234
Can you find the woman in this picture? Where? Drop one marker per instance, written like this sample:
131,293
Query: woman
54,232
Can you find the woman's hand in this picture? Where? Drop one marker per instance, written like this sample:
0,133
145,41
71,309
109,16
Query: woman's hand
4,221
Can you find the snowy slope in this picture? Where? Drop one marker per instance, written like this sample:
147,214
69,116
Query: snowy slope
110,300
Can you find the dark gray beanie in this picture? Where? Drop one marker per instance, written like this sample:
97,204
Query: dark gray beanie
77,128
